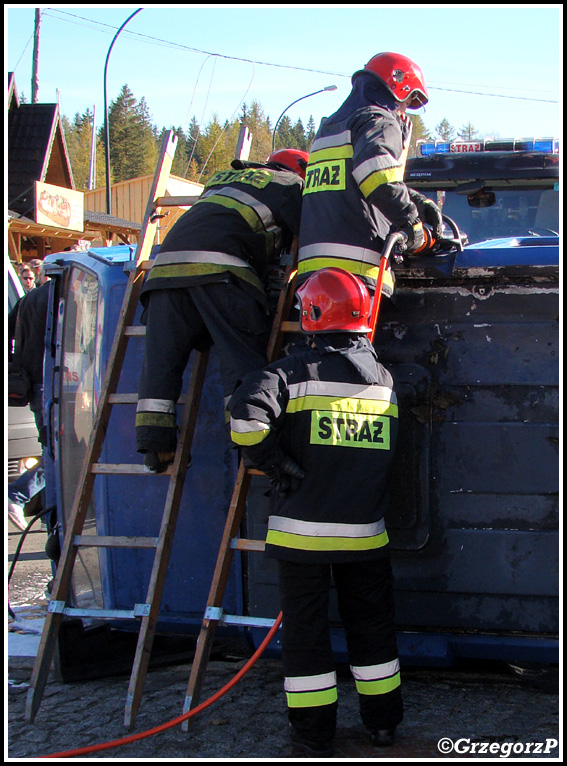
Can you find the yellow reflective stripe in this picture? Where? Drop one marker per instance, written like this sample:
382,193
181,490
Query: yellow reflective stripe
333,153
159,419
180,270
355,267
381,177
312,699
249,439
251,217
365,406
380,686
307,543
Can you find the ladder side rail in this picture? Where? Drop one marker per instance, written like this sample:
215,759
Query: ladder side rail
216,592
83,494
151,219
165,539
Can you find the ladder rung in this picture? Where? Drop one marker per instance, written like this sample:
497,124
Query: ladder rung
101,541
133,469
240,544
139,610
290,327
176,201
217,613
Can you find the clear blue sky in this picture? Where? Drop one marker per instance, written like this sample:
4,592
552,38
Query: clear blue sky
496,66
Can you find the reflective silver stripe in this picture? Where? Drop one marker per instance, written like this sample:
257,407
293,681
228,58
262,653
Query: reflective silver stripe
384,162
199,256
310,683
339,139
330,529
333,250
341,391
375,672
156,405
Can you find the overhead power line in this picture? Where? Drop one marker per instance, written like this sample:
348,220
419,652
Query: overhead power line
102,27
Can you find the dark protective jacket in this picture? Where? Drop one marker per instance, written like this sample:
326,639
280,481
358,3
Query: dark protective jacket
333,410
31,314
242,222
354,192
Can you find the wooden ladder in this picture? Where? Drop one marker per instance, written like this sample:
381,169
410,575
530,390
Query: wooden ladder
148,612
230,542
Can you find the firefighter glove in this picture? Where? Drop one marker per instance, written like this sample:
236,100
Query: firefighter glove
428,211
414,236
285,475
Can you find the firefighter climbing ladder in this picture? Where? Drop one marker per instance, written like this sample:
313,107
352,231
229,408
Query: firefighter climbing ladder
148,612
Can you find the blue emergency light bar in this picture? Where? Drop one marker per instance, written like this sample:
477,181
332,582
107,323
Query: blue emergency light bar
546,145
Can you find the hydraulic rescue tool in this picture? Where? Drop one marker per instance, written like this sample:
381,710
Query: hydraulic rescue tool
394,247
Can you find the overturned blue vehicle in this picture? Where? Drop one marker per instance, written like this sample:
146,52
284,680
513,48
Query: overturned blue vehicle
471,338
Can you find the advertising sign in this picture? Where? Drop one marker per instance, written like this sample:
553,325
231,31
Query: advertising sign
55,206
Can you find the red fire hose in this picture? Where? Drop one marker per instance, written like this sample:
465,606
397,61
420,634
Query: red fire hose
176,721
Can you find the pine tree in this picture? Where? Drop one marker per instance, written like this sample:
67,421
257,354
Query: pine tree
284,134
133,141
418,133
257,123
311,131
298,136
78,137
445,130
468,132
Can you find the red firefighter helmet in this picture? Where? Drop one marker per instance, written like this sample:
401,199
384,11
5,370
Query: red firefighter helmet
293,159
401,76
334,300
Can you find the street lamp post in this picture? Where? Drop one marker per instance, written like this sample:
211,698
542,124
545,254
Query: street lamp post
329,87
106,137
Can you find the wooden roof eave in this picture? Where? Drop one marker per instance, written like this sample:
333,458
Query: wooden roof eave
92,231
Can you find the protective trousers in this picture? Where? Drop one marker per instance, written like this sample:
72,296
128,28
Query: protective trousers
366,607
179,320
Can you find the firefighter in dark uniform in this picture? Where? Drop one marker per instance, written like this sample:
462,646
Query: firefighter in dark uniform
322,424
354,192
207,286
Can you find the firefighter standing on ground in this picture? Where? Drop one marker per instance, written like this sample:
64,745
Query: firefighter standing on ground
207,286
322,424
354,193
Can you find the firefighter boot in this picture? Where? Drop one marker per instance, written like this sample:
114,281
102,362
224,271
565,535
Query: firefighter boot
381,737
157,462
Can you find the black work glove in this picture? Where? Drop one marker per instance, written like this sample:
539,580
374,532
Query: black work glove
285,476
428,212
282,471
414,236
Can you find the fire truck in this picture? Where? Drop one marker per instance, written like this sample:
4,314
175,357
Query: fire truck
471,338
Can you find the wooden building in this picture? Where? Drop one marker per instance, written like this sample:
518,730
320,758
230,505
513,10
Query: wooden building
39,172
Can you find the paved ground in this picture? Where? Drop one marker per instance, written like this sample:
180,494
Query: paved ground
484,710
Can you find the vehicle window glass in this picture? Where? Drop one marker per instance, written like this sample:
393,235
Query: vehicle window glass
77,397
515,213
13,294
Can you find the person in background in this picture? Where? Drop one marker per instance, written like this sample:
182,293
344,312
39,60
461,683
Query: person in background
30,312
37,265
322,424
27,278
207,285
